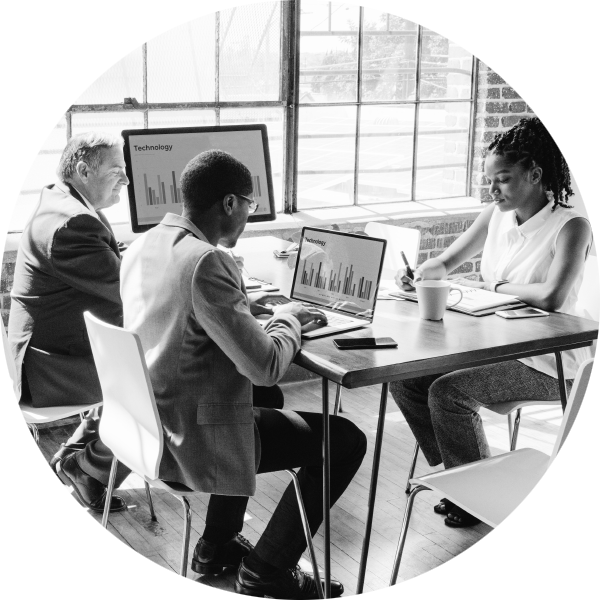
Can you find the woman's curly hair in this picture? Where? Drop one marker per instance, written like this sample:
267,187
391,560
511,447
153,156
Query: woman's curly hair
528,143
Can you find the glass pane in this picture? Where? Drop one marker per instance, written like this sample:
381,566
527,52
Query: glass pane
273,119
328,16
386,149
181,63
30,147
389,59
328,63
105,40
326,142
181,118
445,68
442,150
111,123
32,44
249,52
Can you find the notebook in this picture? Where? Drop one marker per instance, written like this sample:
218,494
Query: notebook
339,274
475,301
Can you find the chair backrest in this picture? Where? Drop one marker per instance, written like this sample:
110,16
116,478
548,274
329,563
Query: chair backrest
398,238
8,374
130,425
573,476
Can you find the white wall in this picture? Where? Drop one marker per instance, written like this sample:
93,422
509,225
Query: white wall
578,114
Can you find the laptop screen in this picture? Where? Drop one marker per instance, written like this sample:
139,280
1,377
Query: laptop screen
338,270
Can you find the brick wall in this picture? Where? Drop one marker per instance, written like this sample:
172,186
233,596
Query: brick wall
518,70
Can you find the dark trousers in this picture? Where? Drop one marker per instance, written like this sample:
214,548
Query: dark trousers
95,458
288,440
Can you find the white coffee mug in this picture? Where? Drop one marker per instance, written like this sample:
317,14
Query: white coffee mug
432,295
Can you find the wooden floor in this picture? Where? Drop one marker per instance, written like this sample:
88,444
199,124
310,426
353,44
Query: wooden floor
141,558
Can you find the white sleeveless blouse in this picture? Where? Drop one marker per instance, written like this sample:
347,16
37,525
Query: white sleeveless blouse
523,254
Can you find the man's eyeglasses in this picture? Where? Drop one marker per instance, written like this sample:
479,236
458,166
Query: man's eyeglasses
252,204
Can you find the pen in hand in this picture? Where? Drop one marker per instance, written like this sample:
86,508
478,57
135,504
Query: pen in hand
409,271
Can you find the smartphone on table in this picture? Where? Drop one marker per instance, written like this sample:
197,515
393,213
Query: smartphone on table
522,313
365,343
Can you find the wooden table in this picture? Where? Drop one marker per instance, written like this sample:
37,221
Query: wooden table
424,347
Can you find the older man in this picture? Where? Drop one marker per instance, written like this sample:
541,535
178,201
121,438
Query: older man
205,351
69,262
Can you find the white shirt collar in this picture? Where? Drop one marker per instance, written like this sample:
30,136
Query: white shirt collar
535,223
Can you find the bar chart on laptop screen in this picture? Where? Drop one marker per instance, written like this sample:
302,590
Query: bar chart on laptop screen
336,269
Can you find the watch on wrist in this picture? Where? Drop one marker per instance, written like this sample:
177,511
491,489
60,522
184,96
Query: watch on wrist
495,284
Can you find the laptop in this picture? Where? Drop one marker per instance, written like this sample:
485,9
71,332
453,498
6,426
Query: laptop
339,274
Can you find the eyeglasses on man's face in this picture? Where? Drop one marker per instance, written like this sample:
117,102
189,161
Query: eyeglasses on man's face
252,204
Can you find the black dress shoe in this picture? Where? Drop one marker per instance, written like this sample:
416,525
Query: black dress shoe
64,451
211,559
89,491
293,584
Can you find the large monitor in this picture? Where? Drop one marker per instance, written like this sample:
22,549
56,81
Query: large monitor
155,158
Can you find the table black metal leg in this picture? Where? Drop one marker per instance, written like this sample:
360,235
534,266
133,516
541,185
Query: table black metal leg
372,489
561,380
326,490
563,400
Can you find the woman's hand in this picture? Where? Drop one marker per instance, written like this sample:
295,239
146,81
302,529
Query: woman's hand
262,303
404,282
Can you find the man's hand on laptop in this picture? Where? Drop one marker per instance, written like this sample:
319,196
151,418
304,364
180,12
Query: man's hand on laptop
262,303
304,314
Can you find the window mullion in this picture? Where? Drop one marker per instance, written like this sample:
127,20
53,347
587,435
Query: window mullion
67,68
217,66
145,82
413,192
359,100
290,78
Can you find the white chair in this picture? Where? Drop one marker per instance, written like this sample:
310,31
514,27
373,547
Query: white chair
131,425
31,416
527,494
399,239
588,306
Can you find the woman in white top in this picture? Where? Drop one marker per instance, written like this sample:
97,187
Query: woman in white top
534,247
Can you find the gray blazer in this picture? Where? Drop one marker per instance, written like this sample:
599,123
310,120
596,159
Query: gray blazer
187,302
68,262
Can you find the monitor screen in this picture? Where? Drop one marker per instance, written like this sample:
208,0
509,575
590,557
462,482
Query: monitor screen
155,158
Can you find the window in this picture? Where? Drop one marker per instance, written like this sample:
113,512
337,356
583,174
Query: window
373,109
384,112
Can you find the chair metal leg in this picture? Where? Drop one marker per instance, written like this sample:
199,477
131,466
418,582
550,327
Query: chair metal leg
512,565
337,407
510,428
513,439
403,532
187,514
150,503
109,491
36,443
411,472
582,557
309,540
513,433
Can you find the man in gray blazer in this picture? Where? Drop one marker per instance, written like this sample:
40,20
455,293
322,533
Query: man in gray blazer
205,351
68,262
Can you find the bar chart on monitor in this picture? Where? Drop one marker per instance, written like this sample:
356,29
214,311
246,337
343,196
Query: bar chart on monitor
336,268
158,159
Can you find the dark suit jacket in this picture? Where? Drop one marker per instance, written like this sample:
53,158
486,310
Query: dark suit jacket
68,262
204,349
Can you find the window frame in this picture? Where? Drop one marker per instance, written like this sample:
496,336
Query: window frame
290,104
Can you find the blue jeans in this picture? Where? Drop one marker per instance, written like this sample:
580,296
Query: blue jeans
442,410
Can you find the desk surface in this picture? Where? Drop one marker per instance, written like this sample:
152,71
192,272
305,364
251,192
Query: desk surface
424,347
